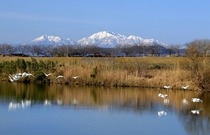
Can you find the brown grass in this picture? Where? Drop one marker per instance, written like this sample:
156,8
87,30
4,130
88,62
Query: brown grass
123,71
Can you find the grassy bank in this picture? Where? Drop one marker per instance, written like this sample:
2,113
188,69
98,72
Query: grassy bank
123,71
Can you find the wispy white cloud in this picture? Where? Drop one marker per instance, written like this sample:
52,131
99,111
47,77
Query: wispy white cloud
33,17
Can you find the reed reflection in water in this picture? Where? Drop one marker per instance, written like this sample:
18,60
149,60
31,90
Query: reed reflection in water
177,104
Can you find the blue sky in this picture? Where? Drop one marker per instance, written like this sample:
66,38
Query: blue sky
173,22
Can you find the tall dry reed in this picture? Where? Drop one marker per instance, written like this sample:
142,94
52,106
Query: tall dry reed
123,71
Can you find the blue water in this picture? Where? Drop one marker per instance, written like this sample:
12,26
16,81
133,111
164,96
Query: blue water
54,120
105,113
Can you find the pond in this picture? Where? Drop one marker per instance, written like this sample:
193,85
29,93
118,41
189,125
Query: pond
27,109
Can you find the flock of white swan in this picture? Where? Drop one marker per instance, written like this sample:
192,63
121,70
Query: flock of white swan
183,87
184,101
16,77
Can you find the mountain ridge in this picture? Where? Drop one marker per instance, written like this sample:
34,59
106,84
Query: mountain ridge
102,39
51,40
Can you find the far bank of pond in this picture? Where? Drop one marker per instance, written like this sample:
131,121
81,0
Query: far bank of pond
145,72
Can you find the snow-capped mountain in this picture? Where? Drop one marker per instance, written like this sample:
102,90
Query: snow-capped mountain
104,39
109,40
52,40
136,40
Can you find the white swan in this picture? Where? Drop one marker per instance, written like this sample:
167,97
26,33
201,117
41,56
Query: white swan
75,77
196,111
47,74
18,76
185,87
196,100
166,87
24,74
60,76
13,78
162,95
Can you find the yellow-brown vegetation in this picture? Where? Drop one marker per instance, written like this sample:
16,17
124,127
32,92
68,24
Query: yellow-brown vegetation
146,72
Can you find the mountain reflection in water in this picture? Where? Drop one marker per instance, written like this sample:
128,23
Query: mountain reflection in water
193,116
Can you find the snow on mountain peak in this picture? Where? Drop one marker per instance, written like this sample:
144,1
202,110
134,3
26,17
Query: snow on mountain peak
46,37
134,40
52,40
100,35
135,37
102,39
106,34
110,40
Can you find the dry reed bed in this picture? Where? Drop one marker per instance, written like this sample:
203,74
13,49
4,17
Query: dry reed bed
123,71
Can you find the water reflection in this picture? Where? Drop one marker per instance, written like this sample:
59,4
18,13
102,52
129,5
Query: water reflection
162,113
22,104
196,111
193,116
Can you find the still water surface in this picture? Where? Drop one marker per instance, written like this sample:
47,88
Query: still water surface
27,109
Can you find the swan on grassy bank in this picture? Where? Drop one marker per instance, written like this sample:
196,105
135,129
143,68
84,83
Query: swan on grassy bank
166,87
47,75
75,77
60,76
18,76
185,87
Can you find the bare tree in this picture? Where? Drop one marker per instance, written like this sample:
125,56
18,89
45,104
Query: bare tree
37,49
62,50
92,49
22,49
6,49
178,49
197,51
127,50
135,50
52,51
171,49
198,48
174,49
153,50
79,50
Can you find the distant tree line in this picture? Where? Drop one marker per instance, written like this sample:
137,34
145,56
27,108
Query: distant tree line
89,50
